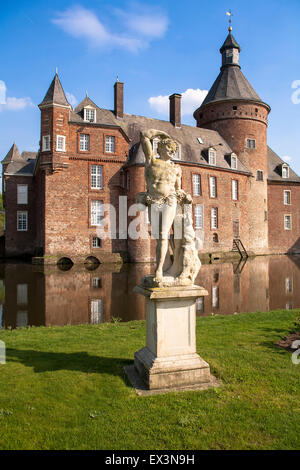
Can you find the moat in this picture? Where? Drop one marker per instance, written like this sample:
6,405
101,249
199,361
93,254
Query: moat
38,296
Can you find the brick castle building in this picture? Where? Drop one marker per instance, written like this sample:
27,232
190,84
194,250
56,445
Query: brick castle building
90,156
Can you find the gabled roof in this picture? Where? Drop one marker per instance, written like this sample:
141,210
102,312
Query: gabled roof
103,116
186,136
55,94
13,155
231,84
230,43
22,166
275,167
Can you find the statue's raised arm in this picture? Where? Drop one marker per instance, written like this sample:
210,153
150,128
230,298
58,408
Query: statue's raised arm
146,137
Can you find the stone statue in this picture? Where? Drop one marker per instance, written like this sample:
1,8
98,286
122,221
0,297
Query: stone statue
177,261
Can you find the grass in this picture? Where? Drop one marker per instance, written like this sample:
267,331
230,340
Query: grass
64,388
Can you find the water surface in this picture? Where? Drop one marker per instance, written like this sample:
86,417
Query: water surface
33,295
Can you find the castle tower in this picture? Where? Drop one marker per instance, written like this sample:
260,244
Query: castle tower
55,114
234,109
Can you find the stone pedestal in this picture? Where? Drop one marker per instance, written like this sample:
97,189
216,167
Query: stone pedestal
169,361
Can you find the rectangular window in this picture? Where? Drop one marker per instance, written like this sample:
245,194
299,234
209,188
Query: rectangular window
214,218
197,185
96,283
251,143
288,222
22,194
234,162
46,143
84,142
96,213
96,242
288,285
97,312
198,216
89,115
22,294
260,175
22,221
215,297
213,186
200,304
60,143
96,177
22,319
235,190
212,157
110,144
287,197
177,155
285,171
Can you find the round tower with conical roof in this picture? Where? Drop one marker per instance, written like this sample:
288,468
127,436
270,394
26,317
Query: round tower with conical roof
234,109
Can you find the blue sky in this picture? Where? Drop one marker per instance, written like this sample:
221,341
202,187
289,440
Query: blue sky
157,48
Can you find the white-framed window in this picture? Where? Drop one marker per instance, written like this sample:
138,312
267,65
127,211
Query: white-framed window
200,140
84,142
22,319
213,186
22,193
46,143
22,294
200,304
214,218
199,216
288,222
96,242
96,177
22,221
60,143
215,297
212,157
196,185
251,143
96,213
90,114
97,315
289,285
233,161
260,175
285,171
110,144
287,197
235,190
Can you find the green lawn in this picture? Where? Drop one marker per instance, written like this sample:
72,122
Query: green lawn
64,388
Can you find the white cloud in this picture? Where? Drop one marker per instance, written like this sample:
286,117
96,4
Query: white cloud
140,27
16,104
147,21
287,158
2,92
190,101
72,99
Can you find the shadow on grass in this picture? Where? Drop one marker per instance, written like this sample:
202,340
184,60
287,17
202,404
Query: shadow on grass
42,361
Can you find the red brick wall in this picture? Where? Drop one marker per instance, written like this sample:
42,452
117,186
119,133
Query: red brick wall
281,240
249,120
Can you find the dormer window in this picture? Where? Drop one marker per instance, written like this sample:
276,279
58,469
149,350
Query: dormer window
233,161
90,114
200,140
212,157
177,155
285,171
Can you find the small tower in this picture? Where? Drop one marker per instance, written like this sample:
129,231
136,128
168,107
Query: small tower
234,109
55,115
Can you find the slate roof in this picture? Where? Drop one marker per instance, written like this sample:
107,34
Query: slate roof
230,43
55,94
25,166
274,169
103,116
231,84
187,136
12,155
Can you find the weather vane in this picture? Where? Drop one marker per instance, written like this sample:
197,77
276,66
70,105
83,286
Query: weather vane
230,14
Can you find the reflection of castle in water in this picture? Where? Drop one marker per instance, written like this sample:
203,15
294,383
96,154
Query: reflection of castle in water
49,296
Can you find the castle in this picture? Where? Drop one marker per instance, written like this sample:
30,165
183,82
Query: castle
245,196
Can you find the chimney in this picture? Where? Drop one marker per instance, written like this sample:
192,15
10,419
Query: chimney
175,109
119,99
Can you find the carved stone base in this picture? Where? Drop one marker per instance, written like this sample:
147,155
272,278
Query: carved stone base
169,361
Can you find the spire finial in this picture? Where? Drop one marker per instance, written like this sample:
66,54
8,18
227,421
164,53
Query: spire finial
230,14
117,78
56,71
86,94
